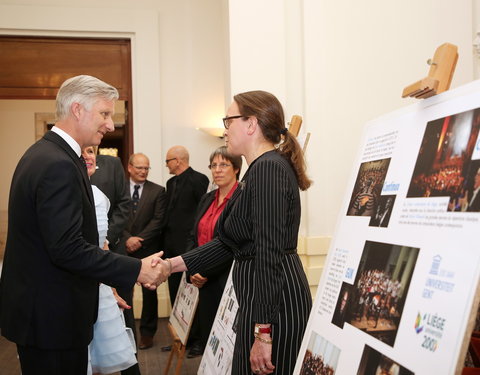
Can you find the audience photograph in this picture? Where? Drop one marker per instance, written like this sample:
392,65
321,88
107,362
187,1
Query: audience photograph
321,357
380,289
444,157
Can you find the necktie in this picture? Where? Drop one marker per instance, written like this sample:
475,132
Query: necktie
135,198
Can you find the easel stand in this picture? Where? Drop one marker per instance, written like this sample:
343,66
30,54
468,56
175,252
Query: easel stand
178,350
440,75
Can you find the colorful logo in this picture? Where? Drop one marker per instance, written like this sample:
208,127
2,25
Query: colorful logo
418,323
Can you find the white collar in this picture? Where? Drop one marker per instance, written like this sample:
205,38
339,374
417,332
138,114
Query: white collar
68,138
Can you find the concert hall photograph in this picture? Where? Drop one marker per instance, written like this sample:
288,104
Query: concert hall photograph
368,187
321,357
374,362
445,155
380,289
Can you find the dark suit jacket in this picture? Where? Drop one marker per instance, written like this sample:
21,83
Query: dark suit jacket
147,221
182,200
52,264
110,178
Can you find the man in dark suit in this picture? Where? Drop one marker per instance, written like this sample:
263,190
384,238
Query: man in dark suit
184,191
52,264
110,179
141,236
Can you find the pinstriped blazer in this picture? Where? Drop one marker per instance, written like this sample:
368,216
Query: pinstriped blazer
261,221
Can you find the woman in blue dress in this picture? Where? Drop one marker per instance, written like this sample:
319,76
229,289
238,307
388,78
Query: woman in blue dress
112,347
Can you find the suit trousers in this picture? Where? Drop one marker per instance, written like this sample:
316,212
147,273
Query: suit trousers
149,319
35,361
127,295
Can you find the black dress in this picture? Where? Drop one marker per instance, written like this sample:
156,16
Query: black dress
259,227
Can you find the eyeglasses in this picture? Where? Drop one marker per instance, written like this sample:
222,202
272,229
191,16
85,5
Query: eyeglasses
169,160
228,120
221,166
146,169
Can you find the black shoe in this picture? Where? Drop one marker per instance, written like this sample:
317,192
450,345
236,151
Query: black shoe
166,348
195,351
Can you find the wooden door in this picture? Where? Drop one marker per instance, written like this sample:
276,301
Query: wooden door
35,67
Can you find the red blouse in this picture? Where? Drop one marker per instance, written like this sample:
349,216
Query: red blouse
206,225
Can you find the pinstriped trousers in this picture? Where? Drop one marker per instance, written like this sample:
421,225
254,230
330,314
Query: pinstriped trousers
293,313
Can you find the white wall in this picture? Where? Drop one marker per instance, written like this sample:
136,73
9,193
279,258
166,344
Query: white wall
356,59
359,57
17,133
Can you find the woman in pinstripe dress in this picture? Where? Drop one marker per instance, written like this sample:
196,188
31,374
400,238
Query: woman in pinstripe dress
259,227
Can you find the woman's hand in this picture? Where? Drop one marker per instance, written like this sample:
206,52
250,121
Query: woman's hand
198,280
120,301
261,355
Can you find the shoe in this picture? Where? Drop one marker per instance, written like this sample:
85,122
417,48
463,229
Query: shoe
195,351
145,342
167,348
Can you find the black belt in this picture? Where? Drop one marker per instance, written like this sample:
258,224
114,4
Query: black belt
243,258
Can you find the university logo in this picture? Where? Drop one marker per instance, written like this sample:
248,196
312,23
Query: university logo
418,323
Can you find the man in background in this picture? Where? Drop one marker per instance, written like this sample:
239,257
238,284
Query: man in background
141,236
184,191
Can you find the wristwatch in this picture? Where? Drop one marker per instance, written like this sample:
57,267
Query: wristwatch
258,330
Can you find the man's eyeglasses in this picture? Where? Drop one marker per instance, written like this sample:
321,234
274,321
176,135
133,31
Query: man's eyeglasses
169,160
221,166
228,120
146,169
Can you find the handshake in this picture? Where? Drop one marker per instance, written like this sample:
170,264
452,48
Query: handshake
154,271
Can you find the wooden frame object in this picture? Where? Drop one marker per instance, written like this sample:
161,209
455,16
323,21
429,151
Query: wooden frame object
295,125
440,75
178,350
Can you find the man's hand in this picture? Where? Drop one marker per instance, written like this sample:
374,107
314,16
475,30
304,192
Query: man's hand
133,244
151,276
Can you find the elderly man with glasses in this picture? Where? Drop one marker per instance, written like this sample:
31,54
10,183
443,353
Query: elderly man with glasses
142,236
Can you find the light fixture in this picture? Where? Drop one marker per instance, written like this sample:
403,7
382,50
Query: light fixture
216,132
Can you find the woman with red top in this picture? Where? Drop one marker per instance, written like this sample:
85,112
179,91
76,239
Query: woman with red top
225,170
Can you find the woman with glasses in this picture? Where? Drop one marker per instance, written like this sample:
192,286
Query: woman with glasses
225,170
259,227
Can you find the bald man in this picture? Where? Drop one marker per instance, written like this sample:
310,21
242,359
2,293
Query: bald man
184,191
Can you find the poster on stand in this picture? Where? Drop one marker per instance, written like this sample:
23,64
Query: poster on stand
218,354
183,310
400,280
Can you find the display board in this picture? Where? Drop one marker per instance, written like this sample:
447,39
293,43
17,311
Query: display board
218,354
183,310
399,286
